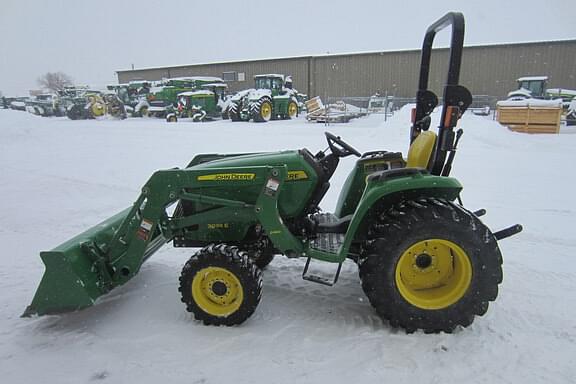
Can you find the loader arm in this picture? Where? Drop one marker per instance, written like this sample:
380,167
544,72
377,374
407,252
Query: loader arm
111,253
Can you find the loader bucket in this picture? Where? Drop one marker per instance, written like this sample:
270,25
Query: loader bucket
72,279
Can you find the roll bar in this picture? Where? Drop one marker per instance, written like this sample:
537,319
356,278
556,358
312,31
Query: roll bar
456,98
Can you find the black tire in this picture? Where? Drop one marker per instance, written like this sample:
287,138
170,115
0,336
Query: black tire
292,110
571,119
261,258
234,112
77,112
457,251
220,285
117,110
225,115
262,111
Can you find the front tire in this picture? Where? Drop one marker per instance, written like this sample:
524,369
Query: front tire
571,119
220,285
234,112
262,111
430,265
77,112
261,257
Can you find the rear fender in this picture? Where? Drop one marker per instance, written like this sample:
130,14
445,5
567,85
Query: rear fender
390,187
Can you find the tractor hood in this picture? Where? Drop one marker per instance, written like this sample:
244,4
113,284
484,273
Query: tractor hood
293,159
300,183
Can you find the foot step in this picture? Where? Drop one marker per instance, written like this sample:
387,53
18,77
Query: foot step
320,279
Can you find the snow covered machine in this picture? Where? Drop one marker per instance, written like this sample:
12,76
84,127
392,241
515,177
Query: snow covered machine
425,261
272,98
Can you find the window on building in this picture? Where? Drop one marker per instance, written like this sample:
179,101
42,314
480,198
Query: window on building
229,76
241,76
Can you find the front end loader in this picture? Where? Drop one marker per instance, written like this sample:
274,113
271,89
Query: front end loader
425,261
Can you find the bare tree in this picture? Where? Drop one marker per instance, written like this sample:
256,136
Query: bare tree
54,81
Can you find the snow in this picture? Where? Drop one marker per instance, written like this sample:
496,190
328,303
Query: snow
533,78
216,85
561,91
60,177
270,75
531,103
196,78
193,93
257,94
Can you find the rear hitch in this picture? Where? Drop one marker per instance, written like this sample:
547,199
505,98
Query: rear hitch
507,232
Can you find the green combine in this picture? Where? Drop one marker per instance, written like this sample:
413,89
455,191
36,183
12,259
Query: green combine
425,261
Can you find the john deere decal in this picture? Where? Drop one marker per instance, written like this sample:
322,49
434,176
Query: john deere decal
227,177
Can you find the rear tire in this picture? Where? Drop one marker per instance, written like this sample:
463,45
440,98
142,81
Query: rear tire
292,110
430,265
220,285
262,111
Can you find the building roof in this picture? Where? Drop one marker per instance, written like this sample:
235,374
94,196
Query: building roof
490,45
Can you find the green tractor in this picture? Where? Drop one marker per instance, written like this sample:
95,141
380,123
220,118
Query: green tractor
272,98
425,261
163,98
134,96
201,105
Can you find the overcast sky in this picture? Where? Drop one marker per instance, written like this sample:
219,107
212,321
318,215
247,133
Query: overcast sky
90,40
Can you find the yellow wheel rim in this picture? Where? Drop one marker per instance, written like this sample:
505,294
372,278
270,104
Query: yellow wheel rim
292,109
97,109
266,111
217,291
433,274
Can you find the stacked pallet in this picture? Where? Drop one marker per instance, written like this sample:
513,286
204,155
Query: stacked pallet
338,112
530,115
315,108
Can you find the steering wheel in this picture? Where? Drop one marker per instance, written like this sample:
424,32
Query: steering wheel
343,149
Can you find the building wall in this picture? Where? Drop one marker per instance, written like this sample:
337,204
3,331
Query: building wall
486,70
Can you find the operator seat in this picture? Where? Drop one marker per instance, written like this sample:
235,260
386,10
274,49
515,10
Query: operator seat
421,149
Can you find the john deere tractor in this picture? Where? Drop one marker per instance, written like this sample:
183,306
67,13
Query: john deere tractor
425,261
272,98
200,105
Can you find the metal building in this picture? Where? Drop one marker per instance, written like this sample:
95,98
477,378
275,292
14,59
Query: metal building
486,70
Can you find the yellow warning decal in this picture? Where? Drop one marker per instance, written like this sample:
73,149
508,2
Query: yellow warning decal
296,175
227,177
219,226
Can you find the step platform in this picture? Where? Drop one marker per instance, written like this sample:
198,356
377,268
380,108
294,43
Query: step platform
326,242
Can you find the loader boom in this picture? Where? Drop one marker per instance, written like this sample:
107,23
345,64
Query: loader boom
111,253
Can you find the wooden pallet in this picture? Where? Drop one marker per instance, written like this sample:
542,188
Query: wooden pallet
530,119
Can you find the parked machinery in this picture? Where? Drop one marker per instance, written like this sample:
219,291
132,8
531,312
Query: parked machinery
272,98
163,96
204,103
95,104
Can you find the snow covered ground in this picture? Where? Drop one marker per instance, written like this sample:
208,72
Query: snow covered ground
59,177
